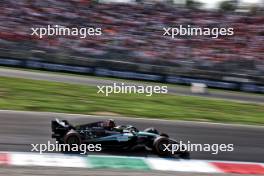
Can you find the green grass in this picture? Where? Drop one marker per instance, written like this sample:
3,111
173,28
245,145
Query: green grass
170,85
32,95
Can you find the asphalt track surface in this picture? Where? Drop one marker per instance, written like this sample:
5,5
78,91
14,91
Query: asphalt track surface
95,81
20,129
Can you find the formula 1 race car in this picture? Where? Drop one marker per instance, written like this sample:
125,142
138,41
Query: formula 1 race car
110,136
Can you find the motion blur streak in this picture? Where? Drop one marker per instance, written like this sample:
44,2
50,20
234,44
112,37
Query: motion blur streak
18,130
235,96
132,46
57,171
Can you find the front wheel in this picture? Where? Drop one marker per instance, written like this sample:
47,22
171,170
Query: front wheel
164,135
160,144
164,146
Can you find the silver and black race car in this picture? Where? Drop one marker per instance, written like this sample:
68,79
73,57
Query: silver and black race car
110,136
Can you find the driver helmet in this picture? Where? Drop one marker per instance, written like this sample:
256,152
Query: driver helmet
110,123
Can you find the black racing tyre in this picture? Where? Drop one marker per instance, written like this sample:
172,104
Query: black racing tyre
159,147
72,137
164,135
151,130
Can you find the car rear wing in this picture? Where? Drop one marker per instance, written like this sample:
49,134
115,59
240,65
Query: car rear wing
60,127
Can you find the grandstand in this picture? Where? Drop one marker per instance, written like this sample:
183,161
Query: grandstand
132,39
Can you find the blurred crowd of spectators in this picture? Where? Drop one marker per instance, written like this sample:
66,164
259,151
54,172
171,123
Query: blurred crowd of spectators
134,32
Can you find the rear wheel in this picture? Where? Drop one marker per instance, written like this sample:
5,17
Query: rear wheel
74,140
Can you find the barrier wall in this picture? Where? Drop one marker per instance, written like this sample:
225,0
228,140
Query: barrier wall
110,68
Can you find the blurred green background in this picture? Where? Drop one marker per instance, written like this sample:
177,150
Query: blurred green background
32,95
